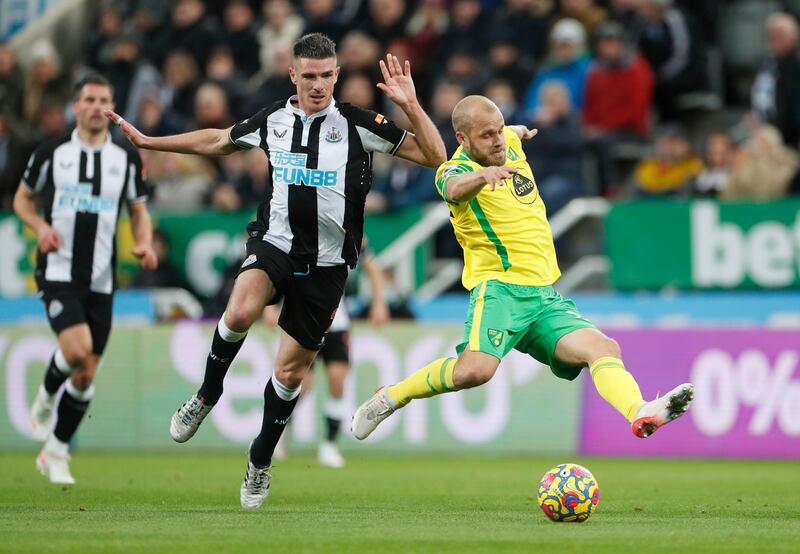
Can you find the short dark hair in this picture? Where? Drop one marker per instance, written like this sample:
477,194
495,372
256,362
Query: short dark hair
90,79
315,46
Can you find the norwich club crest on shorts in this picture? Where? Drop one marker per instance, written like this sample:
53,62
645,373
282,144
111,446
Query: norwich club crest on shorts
495,336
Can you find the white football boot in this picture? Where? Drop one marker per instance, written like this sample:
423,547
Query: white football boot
53,462
652,415
42,415
371,413
188,418
255,486
328,455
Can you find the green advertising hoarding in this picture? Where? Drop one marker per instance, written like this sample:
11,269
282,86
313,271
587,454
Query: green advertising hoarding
704,245
18,259
202,246
148,371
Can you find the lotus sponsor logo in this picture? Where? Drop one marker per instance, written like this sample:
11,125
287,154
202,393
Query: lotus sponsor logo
522,188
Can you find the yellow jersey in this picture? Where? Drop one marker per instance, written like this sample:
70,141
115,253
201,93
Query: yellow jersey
504,233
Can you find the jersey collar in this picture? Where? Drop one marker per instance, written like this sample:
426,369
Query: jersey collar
76,138
297,111
462,154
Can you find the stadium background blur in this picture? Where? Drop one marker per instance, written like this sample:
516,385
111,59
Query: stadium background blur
669,167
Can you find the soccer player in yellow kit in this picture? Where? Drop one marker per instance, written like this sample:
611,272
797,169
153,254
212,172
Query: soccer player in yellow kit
509,268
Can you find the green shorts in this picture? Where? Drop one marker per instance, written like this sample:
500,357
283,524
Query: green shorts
531,319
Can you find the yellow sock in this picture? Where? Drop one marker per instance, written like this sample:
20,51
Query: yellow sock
617,386
435,378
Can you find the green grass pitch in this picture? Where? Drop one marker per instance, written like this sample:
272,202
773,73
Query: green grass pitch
188,502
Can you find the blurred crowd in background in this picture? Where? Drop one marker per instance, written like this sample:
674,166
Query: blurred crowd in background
632,98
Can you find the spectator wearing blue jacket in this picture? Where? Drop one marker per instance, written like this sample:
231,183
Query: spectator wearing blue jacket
568,64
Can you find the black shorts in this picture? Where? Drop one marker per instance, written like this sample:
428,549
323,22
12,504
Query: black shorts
336,347
310,293
67,306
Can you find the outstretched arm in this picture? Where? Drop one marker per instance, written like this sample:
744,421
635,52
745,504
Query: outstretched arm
465,187
523,132
424,146
205,142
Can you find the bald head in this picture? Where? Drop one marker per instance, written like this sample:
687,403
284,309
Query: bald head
480,130
471,108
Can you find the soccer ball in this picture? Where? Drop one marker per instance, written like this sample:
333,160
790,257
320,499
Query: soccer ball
568,492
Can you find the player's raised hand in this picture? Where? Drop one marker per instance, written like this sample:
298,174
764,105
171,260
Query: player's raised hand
496,174
398,84
133,134
147,257
528,134
48,239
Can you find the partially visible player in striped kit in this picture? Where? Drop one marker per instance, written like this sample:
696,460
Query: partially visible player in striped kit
82,180
307,231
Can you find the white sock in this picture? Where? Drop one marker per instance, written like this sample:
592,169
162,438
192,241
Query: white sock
228,334
284,392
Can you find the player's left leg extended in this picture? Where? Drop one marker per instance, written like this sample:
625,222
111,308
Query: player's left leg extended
471,369
494,311
590,348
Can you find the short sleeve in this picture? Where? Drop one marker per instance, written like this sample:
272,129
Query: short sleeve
377,133
515,152
447,171
135,186
35,177
246,134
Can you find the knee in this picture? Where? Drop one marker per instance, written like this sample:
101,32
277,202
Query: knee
470,376
291,374
240,318
83,378
608,347
78,356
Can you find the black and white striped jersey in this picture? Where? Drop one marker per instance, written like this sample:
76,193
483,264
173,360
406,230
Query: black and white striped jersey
83,188
320,173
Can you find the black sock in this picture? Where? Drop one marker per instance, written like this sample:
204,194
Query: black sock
217,364
276,414
71,411
333,427
54,377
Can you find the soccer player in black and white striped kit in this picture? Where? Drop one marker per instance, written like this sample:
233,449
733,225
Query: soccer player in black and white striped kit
308,229
82,180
